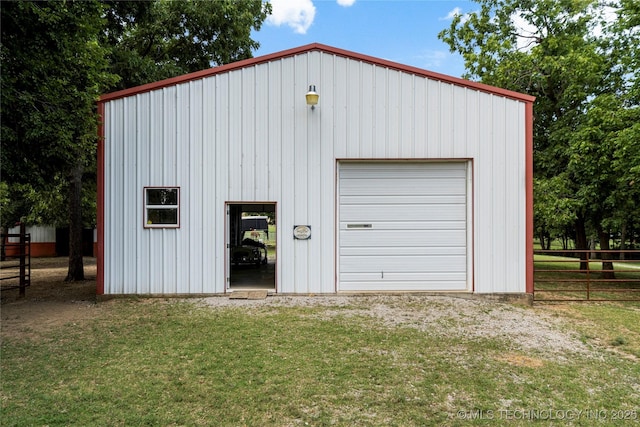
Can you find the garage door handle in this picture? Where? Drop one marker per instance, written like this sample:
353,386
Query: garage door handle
359,226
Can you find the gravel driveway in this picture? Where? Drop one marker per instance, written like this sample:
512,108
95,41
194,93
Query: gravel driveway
523,328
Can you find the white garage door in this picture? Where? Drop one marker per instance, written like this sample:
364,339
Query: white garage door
403,226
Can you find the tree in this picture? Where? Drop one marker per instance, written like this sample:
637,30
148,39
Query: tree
53,72
561,52
154,40
58,56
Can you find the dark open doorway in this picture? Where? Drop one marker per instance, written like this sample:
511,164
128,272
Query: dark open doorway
251,246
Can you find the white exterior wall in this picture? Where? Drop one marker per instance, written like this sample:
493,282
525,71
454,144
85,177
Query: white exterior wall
39,233
247,135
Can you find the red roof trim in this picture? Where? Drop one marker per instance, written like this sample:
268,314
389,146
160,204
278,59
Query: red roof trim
308,48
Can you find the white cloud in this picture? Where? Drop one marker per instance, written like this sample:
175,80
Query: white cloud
456,11
452,14
346,3
297,14
433,59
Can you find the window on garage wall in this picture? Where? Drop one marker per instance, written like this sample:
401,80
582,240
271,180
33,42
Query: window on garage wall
161,207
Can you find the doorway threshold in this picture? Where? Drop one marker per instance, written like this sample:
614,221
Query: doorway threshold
250,294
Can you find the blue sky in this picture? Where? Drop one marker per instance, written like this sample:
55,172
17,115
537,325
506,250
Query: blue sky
404,31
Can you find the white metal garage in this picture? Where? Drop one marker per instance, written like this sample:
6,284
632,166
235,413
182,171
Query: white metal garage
404,226
404,179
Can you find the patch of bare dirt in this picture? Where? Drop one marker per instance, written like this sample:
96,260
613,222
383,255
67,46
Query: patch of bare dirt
49,301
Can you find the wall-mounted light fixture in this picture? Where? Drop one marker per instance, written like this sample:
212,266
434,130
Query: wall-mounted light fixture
312,97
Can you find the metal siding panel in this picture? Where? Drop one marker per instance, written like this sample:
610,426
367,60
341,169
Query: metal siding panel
170,170
447,122
108,142
212,275
287,211
130,198
515,274
483,215
261,132
314,181
192,211
156,151
393,139
365,116
39,234
326,210
247,124
351,114
235,163
116,197
420,118
498,239
275,131
301,184
144,148
338,133
380,116
183,168
433,120
470,146
222,148
407,116
457,147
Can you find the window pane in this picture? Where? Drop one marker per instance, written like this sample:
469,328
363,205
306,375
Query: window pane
162,216
162,196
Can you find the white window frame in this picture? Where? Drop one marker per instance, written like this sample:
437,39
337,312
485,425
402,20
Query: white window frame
148,206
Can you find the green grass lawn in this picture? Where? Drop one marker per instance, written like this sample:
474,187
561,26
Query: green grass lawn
153,362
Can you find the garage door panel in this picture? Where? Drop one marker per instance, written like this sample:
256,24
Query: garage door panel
390,276
426,264
403,286
393,170
401,251
442,199
403,226
364,213
402,238
402,187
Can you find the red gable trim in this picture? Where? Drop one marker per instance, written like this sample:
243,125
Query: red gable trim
323,48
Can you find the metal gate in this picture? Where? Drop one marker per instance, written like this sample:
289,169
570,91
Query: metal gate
586,275
16,261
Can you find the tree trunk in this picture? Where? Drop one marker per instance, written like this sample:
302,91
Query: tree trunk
541,237
607,266
623,237
581,242
76,267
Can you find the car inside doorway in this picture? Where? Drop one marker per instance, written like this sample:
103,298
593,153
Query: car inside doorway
251,246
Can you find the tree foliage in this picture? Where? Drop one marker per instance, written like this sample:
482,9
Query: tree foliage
583,71
59,56
154,40
52,72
